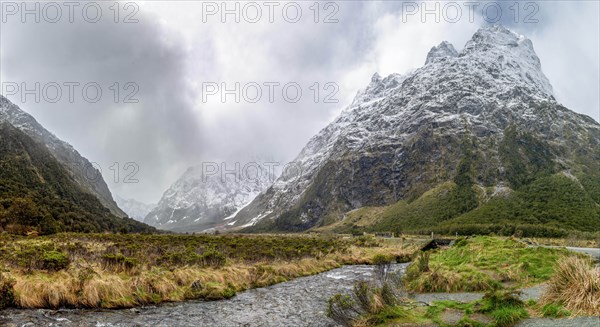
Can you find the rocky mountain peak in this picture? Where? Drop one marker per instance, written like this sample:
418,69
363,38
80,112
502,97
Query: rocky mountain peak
494,35
403,134
513,53
376,78
444,49
377,88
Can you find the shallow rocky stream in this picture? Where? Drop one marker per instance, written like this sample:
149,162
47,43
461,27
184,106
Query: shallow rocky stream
299,302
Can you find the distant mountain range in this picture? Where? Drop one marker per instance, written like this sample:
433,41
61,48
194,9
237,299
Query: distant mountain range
197,202
133,208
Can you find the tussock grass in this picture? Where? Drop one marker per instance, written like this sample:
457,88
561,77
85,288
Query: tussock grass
576,286
122,271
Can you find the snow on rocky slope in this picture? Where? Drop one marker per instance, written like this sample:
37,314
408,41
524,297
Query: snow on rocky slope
133,208
401,135
200,201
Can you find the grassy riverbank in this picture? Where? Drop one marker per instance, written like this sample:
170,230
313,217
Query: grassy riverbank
481,264
496,267
120,271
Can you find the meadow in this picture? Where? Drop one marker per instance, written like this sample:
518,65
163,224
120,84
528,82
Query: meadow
78,270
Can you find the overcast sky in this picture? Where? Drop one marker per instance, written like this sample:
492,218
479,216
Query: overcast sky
173,51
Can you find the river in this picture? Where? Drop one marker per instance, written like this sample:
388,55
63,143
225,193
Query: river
299,302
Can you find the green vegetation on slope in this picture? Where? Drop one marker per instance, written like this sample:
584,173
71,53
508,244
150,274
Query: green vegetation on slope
38,195
434,206
544,203
554,192
556,201
552,206
524,157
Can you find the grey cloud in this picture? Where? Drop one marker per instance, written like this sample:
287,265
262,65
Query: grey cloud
170,129
158,133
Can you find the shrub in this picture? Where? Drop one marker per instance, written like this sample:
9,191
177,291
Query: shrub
382,266
420,265
214,258
460,242
363,296
392,290
55,261
366,300
119,262
367,241
423,262
7,296
341,308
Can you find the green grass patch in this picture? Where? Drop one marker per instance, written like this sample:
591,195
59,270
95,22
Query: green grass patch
501,308
508,316
553,310
482,263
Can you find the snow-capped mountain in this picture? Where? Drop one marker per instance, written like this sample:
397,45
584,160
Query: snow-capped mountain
80,169
404,134
133,208
198,202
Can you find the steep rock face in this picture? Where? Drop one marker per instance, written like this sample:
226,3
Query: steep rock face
404,134
199,202
82,171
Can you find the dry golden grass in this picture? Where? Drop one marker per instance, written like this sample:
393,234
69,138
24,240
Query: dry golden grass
93,285
576,285
106,291
39,291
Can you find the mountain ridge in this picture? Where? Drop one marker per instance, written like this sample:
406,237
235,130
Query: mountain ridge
405,134
74,163
39,195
